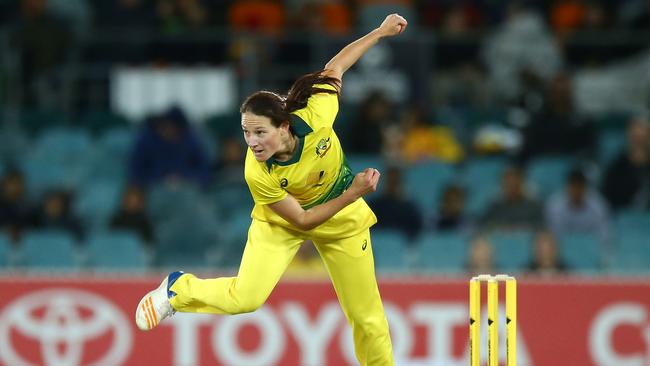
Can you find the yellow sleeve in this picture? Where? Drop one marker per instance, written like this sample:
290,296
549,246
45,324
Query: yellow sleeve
321,108
264,188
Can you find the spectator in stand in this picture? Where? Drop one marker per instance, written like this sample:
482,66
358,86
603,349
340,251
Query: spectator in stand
423,141
545,256
15,211
265,16
55,213
515,209
393,210
229,167
557,128
480,258
375,115
132,214
451,214
522,43
578,209
318,16
568,15
168,151
627,178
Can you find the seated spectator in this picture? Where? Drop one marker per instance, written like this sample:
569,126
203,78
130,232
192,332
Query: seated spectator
480,259
515,209
168,151
332,17
568,15
375,115
451,211
627,178
393,210
545,256
15,211
423,141
578,209
132,214
558,128
265,16
55,213
509,52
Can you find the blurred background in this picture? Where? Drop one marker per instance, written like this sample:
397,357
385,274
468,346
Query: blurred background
511,135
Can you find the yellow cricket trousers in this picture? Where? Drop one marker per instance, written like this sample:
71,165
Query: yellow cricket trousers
269,250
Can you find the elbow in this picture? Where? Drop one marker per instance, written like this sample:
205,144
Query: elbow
304,226
303,223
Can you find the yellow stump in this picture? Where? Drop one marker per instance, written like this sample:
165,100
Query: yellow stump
511,322
493,322
475,322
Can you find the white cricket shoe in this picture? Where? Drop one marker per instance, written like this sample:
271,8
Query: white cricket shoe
154,306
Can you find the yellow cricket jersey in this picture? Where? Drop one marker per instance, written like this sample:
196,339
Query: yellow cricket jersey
315,174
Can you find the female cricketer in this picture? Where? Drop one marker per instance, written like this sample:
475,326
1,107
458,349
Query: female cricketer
303,189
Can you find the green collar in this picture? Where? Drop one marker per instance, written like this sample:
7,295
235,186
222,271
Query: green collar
301,129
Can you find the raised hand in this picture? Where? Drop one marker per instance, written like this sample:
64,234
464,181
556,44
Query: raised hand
394,24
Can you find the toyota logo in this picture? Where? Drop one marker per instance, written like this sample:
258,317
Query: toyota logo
63,322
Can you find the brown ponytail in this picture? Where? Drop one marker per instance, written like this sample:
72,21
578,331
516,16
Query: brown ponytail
304,88
278,108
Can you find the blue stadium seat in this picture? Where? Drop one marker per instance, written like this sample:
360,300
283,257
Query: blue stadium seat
632,252
98,121
42,175
234,236
482,177
59,158
512,250
389,249
96,203
117,250
60,144
548,174
359,162
610,143
117,141
164,201
442,252
184,237
424,182
582,252
633,221
109,159
5,251
231,198
49,249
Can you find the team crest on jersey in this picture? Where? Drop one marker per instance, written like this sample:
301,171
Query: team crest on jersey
323,147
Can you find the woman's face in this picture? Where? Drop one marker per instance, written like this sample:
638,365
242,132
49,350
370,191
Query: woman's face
264,139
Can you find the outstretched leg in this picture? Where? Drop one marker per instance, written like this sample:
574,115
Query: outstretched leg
268,252
351,267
